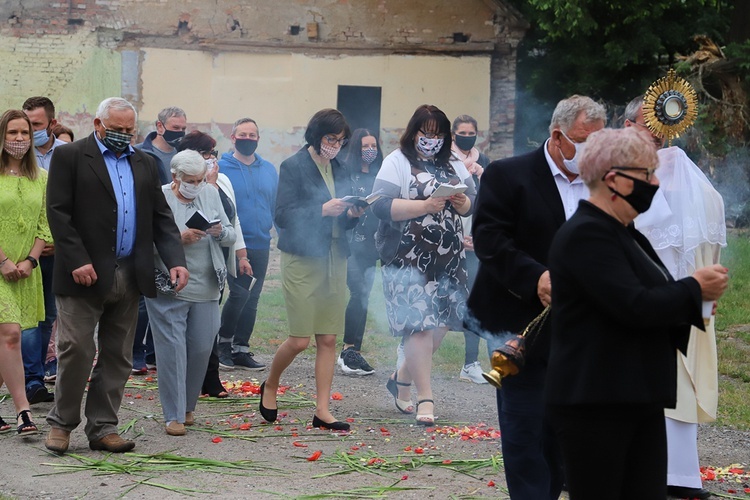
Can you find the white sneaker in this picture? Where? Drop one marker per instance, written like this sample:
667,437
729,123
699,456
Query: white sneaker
472,373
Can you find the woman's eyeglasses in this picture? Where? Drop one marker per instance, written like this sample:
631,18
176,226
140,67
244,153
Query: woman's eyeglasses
332,140
648,171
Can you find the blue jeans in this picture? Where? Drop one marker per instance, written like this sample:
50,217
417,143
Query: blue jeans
143,343
34,341
241,308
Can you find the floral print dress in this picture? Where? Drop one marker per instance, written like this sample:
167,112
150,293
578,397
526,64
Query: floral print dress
425,285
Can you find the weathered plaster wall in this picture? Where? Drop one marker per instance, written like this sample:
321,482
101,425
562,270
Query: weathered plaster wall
224,56
282,92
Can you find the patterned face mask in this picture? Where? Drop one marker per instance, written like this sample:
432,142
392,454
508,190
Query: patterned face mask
429,147
17,149
369,155
329,152
116,142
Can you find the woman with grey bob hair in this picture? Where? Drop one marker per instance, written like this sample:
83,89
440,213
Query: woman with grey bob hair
185,324
618,320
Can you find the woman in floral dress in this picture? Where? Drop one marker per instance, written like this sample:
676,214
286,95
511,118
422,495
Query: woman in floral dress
420,240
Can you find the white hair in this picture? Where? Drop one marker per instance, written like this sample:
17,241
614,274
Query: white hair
187,162
567,111
118,103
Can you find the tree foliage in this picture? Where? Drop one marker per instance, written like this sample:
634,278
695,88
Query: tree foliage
608,49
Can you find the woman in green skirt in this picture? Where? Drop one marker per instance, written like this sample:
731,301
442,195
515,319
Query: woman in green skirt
312,221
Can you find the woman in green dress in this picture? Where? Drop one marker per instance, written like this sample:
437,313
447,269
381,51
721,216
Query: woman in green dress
312,220
23,231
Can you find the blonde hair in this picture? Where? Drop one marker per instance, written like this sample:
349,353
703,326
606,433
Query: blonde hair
608,147
29,167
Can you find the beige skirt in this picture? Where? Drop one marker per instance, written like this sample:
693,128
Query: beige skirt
315,293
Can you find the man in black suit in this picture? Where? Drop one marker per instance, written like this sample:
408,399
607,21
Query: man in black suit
521,204
106,211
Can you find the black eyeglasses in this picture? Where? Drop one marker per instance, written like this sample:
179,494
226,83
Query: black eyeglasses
332,140
432,135
648,171
208,154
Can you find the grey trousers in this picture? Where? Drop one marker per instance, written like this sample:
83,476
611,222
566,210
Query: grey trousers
184,333
116,313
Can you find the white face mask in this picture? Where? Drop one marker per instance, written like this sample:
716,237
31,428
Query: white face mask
572,164
191,191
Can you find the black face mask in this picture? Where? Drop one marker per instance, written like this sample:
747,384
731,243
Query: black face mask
465,142
245,147
641,197
172,137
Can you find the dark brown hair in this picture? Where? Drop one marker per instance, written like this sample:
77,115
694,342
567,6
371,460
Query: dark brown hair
40,102
353,152
197,141
324,122
425,114
60,129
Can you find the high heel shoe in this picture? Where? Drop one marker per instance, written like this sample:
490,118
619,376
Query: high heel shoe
392,385
268,414
426,418
334,426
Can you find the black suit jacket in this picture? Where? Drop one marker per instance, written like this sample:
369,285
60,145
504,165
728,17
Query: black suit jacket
617,317
518,211
82,213
300,197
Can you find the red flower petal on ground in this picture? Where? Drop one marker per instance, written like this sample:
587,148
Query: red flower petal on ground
491,484
337,396
299,445
447,462
731,491
217,439
245,427
408,448
278,428
314,456
418,450
350,420
354,448
404,477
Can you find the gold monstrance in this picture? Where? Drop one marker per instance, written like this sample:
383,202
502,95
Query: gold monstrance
670,106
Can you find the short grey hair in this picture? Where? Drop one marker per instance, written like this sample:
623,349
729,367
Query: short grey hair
631,110
242,121
567,111
187,162
167,113
117,103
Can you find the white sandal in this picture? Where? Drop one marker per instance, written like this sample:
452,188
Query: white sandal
426,418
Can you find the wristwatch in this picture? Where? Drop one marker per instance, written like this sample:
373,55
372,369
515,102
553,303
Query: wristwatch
33,261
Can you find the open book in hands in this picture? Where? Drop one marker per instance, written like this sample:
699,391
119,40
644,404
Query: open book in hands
448,190
363,201
200,222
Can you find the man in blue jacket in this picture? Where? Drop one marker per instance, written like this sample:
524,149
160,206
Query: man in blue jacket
254,181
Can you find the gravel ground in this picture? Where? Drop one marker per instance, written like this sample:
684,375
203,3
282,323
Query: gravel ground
378,432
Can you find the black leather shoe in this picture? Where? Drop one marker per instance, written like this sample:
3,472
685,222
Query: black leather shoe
268,414
335,425
688,493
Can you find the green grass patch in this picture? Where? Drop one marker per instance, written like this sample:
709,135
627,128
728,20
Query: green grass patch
379,347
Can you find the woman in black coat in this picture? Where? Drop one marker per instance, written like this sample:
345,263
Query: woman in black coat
618,319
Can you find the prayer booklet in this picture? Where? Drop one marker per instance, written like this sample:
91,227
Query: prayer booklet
363,201
199,221
448,190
